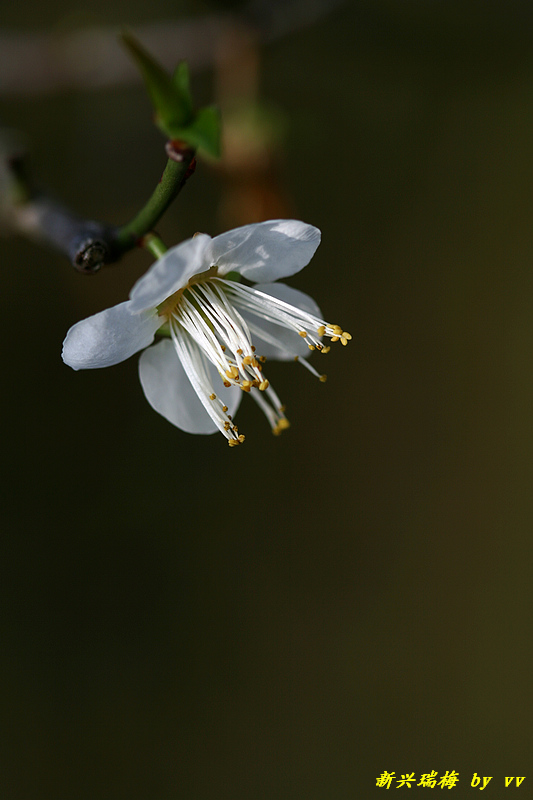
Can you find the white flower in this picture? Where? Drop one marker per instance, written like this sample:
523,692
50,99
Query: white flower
215,333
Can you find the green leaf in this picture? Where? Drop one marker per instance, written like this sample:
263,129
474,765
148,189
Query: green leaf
203,131
172,101
182,82
170,97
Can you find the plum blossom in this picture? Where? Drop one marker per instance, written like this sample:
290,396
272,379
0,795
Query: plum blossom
212,333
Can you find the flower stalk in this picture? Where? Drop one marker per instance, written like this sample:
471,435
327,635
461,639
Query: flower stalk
154,245
180,166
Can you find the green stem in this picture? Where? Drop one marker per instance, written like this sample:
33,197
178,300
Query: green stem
172,181
154,245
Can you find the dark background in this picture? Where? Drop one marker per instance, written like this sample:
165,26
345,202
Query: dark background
292,617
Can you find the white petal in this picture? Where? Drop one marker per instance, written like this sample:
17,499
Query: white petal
266,251
291,344
170,273
170,393
109,337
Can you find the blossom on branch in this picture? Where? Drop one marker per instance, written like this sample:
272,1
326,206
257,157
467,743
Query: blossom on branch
213,333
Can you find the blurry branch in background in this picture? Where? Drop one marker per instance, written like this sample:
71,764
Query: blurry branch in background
37,63
253,135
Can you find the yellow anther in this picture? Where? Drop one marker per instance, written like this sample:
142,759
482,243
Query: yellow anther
232,373
282,409
224,409
239,351
334,338
344,340
255,362
227,384
303,334
227,426
212,396
311,347
233,442
263,385
347,335
321,330
255,382
282,425
337,330
262,359
241,438
247,360
323,378
326,349
253,349
223,348
246,386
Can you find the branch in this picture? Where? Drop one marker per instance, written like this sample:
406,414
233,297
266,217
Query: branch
88,244
180,166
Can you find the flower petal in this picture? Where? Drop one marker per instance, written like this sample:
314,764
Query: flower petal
170,393
265,251
109,337
291,344
170,273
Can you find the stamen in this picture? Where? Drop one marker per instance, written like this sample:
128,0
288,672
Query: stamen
282,425
195,365
206,325
273,412
272,309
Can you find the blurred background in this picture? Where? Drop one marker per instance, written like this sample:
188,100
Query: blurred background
293,617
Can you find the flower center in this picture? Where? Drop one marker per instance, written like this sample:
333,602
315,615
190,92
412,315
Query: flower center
168,306
207,329
207,324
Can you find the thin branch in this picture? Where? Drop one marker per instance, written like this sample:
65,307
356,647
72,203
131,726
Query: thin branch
180,166
88,244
